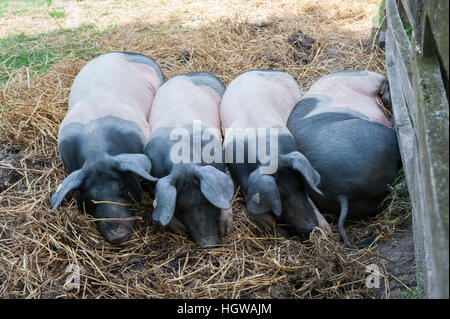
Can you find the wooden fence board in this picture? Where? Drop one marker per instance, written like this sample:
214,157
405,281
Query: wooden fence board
421,119
405,135
432,138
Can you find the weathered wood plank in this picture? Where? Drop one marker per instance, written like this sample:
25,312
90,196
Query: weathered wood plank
401,54
432,131
437,14
402,123
418,93
405,136
400,37
414,10
410,6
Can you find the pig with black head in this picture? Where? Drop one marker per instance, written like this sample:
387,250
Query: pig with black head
193,195
101,139
262,154
340,127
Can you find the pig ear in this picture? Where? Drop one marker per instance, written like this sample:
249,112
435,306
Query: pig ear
298,162
70,183
135,163
216,186
166,198
263,194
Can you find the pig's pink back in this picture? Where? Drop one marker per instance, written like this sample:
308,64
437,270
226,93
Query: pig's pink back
112,86
259,99
356,92
180,102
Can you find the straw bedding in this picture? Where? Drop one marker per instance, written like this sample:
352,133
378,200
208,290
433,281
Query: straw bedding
37,245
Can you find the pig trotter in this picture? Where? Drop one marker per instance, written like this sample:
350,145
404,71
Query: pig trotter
177,226
385,93
268,223
323,224
343,201
226,222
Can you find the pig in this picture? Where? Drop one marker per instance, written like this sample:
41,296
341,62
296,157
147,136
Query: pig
339,126
101,139
193,195
254,111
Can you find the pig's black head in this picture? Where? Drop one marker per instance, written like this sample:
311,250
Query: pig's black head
104,188
194,196
285,192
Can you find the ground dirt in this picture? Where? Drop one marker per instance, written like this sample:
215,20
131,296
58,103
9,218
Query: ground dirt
399,262
9,157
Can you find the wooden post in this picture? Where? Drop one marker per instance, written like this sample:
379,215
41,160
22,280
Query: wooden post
418,76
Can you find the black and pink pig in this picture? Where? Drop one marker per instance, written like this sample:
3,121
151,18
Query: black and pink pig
262,154
339,126
193,195
101,139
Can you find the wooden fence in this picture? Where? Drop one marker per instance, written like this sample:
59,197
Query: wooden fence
418,71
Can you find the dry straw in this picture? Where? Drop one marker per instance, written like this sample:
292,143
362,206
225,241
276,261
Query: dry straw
230,37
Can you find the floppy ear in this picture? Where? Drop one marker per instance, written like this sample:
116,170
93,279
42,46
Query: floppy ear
298,162
166,198
70,183
216,186
135,163
263,194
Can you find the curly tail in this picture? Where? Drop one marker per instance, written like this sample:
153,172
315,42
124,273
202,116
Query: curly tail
343,202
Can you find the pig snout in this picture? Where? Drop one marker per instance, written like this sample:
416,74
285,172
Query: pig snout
208,243
117,234
203,225
115,222
301,225
206,240
300,216
297,210
205,232
311,227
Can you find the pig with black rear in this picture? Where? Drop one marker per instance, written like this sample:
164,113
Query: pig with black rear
193,195
339,126
101,138
262,154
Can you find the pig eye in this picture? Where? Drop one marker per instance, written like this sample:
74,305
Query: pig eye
93,194
116,187
89,206
85,203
